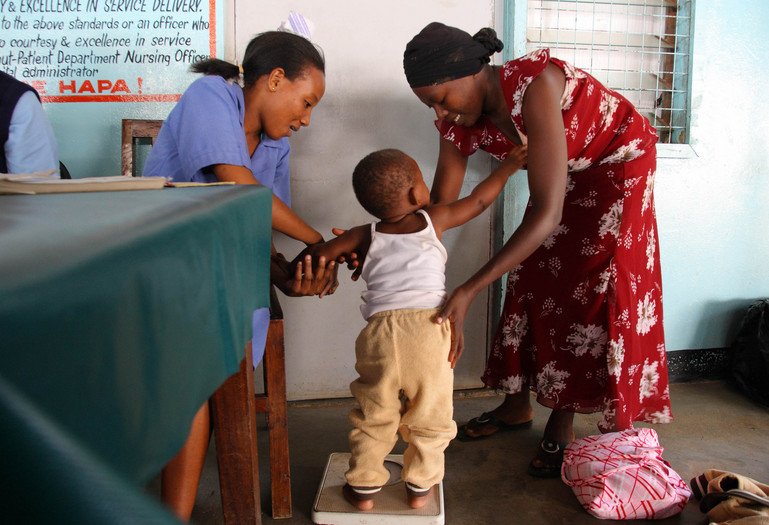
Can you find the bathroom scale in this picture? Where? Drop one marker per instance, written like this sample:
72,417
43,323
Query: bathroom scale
390,506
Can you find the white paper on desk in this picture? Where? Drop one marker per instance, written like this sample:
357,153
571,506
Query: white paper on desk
43,182
43,175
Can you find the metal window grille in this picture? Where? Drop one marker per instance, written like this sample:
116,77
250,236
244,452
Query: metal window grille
639,48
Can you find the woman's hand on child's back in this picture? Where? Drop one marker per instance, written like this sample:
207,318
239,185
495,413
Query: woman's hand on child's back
455,311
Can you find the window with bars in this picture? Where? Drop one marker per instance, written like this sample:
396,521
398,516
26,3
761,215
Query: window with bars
639,48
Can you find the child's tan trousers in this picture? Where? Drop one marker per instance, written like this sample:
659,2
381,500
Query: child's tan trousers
402,351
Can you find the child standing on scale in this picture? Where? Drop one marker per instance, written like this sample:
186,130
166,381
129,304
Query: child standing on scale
402,352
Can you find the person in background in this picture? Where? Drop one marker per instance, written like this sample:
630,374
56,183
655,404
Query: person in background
222,132
28,142
403,264
582,321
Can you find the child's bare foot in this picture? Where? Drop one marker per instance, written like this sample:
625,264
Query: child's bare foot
362,498
417,496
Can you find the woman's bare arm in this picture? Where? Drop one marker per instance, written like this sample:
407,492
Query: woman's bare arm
449,173
547,170
456,213
284,219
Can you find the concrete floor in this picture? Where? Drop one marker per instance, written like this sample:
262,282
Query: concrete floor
486,481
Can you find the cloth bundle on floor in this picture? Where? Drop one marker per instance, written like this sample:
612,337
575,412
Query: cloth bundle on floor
622,476
729,498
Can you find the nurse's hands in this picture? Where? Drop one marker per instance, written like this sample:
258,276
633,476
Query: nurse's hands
303,280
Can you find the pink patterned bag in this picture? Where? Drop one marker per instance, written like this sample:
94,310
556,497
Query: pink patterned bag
622,476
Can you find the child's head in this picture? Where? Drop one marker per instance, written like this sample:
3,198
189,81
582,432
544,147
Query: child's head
388,181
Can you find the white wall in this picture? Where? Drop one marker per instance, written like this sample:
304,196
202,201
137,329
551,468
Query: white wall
368,105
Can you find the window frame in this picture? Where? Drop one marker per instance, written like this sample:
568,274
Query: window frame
514,27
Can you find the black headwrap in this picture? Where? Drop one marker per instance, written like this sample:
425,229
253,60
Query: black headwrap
440,53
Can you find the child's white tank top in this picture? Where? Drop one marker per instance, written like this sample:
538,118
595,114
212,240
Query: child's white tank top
404,271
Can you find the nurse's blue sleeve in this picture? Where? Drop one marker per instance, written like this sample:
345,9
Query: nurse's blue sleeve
281,186
31,144
209,129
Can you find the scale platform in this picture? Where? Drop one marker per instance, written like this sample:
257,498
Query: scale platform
390,507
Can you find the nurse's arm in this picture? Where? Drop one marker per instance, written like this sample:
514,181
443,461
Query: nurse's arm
284,219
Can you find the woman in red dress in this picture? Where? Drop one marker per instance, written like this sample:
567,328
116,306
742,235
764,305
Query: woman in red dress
582,321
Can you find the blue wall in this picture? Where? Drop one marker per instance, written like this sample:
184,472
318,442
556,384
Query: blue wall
88,131
712,210
713,207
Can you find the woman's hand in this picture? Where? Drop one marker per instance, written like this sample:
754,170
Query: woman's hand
455,311
308,281
333,281
304,260
304,280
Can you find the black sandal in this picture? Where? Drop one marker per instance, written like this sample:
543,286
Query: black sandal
551,458
491,420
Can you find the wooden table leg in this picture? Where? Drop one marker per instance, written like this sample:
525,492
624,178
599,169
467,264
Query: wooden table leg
234,420
275,385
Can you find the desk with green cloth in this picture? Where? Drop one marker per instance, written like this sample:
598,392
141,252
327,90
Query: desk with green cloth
120,314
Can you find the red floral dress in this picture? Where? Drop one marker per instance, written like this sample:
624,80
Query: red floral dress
582,320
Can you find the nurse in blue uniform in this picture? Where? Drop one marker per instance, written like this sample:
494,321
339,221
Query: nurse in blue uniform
222,132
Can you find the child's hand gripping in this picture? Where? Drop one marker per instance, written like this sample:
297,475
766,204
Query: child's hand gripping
516,158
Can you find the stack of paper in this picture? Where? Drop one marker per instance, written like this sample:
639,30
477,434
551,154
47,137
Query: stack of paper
43,182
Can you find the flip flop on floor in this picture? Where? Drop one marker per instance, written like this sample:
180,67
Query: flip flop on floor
488,420
550,458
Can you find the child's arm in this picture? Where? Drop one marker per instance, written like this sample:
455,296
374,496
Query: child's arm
445,216
355,240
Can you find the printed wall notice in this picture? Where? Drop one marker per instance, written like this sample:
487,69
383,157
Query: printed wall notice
105,50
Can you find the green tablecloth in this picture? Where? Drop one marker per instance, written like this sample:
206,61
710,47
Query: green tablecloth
120,313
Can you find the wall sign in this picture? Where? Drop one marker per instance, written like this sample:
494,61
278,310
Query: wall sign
106,50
